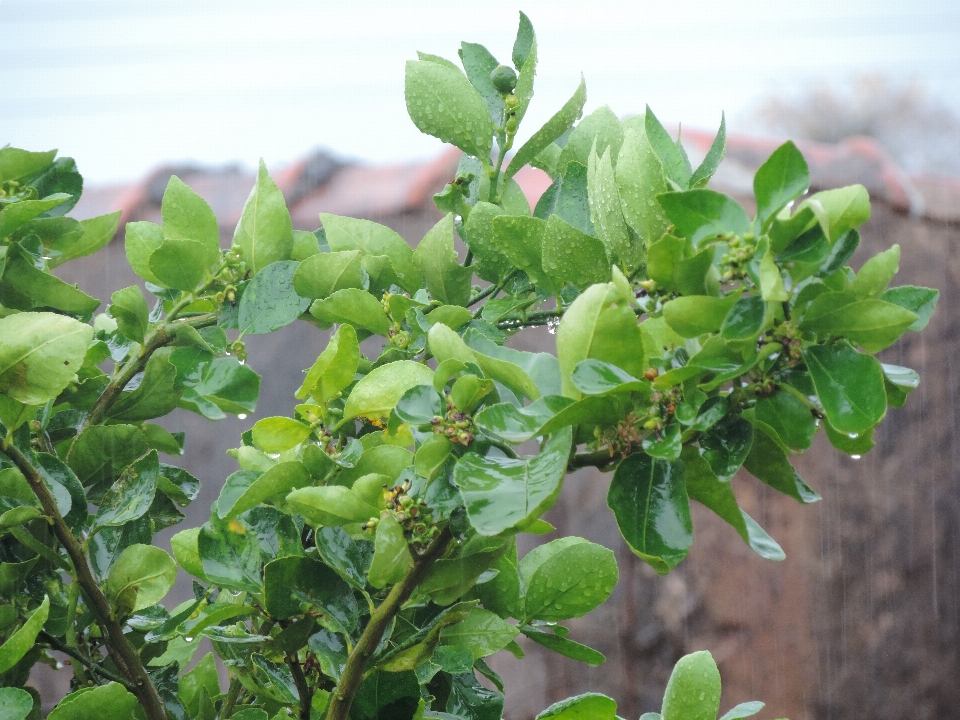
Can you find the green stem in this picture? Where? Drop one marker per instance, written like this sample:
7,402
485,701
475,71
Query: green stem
163,335
38,547
233,695
598,459
73,599
122,652
303,690
85,661
342,698
492,290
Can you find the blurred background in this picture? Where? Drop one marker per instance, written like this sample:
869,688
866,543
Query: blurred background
863,618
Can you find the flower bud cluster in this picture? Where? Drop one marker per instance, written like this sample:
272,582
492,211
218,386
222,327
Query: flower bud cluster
788,335
456,425
733,263
416,519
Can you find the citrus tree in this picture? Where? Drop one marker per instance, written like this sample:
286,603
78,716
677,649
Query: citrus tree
362,561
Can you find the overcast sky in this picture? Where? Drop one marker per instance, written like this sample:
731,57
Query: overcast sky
125,85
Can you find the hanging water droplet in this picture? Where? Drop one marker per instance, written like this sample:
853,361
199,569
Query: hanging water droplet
188,638
852,436
854,457
242,416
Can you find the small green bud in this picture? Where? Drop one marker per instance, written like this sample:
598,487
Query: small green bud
504,79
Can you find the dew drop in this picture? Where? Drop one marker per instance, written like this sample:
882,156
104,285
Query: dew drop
242,416
188,638
852,435
854,457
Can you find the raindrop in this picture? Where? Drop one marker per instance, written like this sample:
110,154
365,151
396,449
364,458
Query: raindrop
188,638
852,436
242,416
854,457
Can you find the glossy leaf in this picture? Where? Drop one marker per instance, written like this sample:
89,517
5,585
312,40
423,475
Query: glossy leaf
187,216
354,306
98,703
704,487
131,495
436,259
595,377
768,463
372,239
505,493
20,642
606,212
701,214
230,555
747,318
442,103
101,452
782,178
520,239
918,300
378,392
155,396
181,264
590,706
478,64
567,198
264,232
602,127
675,166
39,355
640,179
276,434
278,480
693,316
648,497
334,369
270,301
842,209
568,580
493,263
693,691
481,632
332,505
321,275
391,554
564,646
849,385
140,577
713,158
348,557
551,130
15,704
726,445
298,585
543,417
599,324
571,257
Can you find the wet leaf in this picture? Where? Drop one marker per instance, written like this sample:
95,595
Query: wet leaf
270,301
567,578
140,577
301,585
264,232
693,691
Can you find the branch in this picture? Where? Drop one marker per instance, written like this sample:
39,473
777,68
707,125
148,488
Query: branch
163,335
599,459
492,289
303,690
342,697
84,660
122,652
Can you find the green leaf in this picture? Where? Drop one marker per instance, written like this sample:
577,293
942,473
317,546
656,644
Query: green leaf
693,691
391,554
523,45
203,678
701,214
590,706
155,396
436,259
551,130
230,555
768,463
378,392
20,642
162,440
572,257
187,216
96,233
606,213
15,704
849,385
726,445
648,497
131,495
874,324
101,452
129,309
270,301
221,385
920,301
141,240
570,580
264,232
772,288
482,633
693,316
563,646
442,103
478,64
671,157
743,710
181,264
278,480
748,317
704,487
781,179
332,505
595,377
472,701
276,434
139,578
26,287
543,417
98,703
493,263
602,127
505,493
372,239
334,369
321,275
16,164
302,585
521,241
843,209
61,177
350,558
786,417
568,198
354,306
876,274
185,549
387,695
713,158
599,324
40,353
17,214
640,179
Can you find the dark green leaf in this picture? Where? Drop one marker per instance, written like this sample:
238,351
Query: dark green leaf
101,452
348,557
131,495
472,701
568,578
920,301
746,319
155,396
768,463
701,214
849,385
726,445
94,234
26,287
649,499
524,41
298,585
478,64
564,646
230,555
712,160
387,695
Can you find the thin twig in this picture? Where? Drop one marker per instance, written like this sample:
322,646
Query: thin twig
82,659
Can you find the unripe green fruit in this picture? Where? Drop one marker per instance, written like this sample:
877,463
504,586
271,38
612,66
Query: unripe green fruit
504,79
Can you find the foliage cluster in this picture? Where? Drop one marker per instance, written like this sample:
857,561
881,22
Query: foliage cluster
362,561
